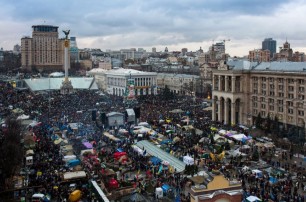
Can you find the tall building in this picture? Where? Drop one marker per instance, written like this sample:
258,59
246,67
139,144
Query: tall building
153,50
243,91
74,51
269,44
285,53
43,51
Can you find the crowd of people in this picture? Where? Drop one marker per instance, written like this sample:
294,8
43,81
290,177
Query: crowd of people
53,110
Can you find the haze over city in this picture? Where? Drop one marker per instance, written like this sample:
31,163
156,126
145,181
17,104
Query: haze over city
173,24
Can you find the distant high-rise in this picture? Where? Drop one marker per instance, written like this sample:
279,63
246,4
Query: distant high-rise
153,50
74,51
44,51
269,44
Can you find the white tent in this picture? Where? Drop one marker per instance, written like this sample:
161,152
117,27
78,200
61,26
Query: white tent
253,199
23,117
239,137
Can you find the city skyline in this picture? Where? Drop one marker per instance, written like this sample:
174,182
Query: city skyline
141,24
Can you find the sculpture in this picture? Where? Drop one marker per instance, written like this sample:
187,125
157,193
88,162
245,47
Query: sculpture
66,32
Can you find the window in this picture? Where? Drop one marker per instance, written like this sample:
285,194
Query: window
271,101
271,79
263,106
271,107
263,79
254,98
290,111
255,91
280,102
263,92
255,112
290,95
280,94
271,93
291,81
301,89
263,86
263,113
301,81
280,109
301,113
281,80
255,104
271,86
301,97
290,104
262,99
291,88
280,87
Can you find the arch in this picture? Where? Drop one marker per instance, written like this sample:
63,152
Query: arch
221,108
227,111
237,111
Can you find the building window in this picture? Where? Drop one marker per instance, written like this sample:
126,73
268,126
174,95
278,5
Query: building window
301,97
271,86
263,113
280,102
255,104
271,93
271,101
263,79
290,111
254,98
280,94
280,87
255,112
271,107
291,81
301,81
301,113
263,86
301,89
291,88
262,99
290,95
290,104
281,80
271,79
263,92
263,106
255,91
280,109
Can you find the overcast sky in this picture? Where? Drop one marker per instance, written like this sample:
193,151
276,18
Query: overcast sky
176,24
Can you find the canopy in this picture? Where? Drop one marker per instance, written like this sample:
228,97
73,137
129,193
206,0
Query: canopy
23,117
253,199
143,124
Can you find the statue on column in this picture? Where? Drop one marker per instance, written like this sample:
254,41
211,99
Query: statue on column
66,32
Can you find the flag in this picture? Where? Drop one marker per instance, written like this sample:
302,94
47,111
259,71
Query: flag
145,152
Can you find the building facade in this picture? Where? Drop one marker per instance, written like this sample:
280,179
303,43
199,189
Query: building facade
44,50
259,55
269,44
117,82
242,90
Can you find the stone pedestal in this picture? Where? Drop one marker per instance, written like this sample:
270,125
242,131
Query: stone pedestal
66,87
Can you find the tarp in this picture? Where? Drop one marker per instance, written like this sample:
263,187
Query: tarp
155,160
73,162
253,199
165,188
188,160
87,145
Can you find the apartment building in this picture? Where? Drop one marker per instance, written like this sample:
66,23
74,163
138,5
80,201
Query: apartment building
242,90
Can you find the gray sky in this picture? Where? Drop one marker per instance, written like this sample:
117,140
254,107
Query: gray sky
176,24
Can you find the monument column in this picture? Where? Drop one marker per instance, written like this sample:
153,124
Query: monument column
66,87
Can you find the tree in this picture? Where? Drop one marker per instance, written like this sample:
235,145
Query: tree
10,150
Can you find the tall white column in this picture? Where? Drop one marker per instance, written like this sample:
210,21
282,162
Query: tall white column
66,59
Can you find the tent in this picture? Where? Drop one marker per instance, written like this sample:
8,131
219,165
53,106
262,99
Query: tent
155,160
257,173
143,124
253,199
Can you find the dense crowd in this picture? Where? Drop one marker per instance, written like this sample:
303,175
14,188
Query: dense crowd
54,109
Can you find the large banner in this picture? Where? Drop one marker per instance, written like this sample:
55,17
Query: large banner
130,91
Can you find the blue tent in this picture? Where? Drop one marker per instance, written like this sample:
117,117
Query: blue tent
165,188
119,150
273,180
155,160
73,162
